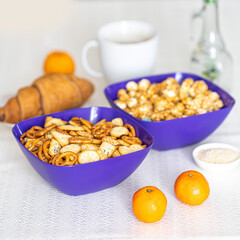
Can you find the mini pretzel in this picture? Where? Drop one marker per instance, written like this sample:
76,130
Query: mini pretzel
29,144
86,123
31,133
45,130
72,133
75,121
131,140
66,159
52,160
86,129
22,138
100,131
79,139
41,154
108,125
46,146
97,141
32,143
35,153
105,125
132,130
84,134
62,131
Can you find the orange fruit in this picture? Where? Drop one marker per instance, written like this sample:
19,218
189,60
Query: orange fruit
191,187
149,204
59,62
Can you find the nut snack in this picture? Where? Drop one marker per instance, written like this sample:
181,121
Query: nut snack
80,141
168,99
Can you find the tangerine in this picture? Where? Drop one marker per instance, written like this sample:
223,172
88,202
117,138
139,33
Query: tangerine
191,187
59,62
149,204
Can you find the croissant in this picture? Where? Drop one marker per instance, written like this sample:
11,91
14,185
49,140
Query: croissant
49,93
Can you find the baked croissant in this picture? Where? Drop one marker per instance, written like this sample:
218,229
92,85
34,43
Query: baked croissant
49,93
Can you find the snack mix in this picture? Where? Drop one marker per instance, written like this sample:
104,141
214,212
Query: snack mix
80,141
168,99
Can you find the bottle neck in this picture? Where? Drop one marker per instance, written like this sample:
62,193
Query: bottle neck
211,31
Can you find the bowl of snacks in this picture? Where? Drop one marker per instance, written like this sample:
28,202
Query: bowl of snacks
177,109
85,150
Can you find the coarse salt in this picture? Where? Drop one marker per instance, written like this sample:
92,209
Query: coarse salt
218,155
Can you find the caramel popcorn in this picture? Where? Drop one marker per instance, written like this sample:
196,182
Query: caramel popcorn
168,99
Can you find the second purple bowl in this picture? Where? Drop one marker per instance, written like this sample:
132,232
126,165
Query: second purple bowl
178,132
88,177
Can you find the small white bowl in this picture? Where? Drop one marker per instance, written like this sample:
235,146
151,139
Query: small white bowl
215,167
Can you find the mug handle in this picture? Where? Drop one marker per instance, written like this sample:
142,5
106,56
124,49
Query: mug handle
87,46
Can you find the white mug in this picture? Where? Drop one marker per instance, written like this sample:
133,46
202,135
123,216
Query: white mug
128,49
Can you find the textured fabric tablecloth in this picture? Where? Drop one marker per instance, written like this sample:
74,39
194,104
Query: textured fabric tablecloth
32,209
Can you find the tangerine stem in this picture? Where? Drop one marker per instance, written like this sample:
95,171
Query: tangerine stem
149,190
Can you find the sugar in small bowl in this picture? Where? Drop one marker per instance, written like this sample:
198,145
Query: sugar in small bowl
217,157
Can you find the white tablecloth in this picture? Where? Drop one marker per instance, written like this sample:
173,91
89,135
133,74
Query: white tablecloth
32,209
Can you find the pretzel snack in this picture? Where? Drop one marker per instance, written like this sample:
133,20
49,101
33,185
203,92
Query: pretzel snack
79,141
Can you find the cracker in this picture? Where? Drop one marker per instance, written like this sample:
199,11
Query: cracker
121,142
111,140
54,147
119,131
88,156
118,122
88,146
50,121
48,135
63,139
71,148
107,148
102,154
124,150
136,147
70,128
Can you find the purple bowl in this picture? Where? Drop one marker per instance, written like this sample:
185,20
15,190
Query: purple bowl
179,132
89,177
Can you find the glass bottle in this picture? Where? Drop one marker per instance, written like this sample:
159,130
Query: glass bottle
210,58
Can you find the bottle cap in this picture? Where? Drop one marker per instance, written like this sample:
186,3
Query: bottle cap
210,1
